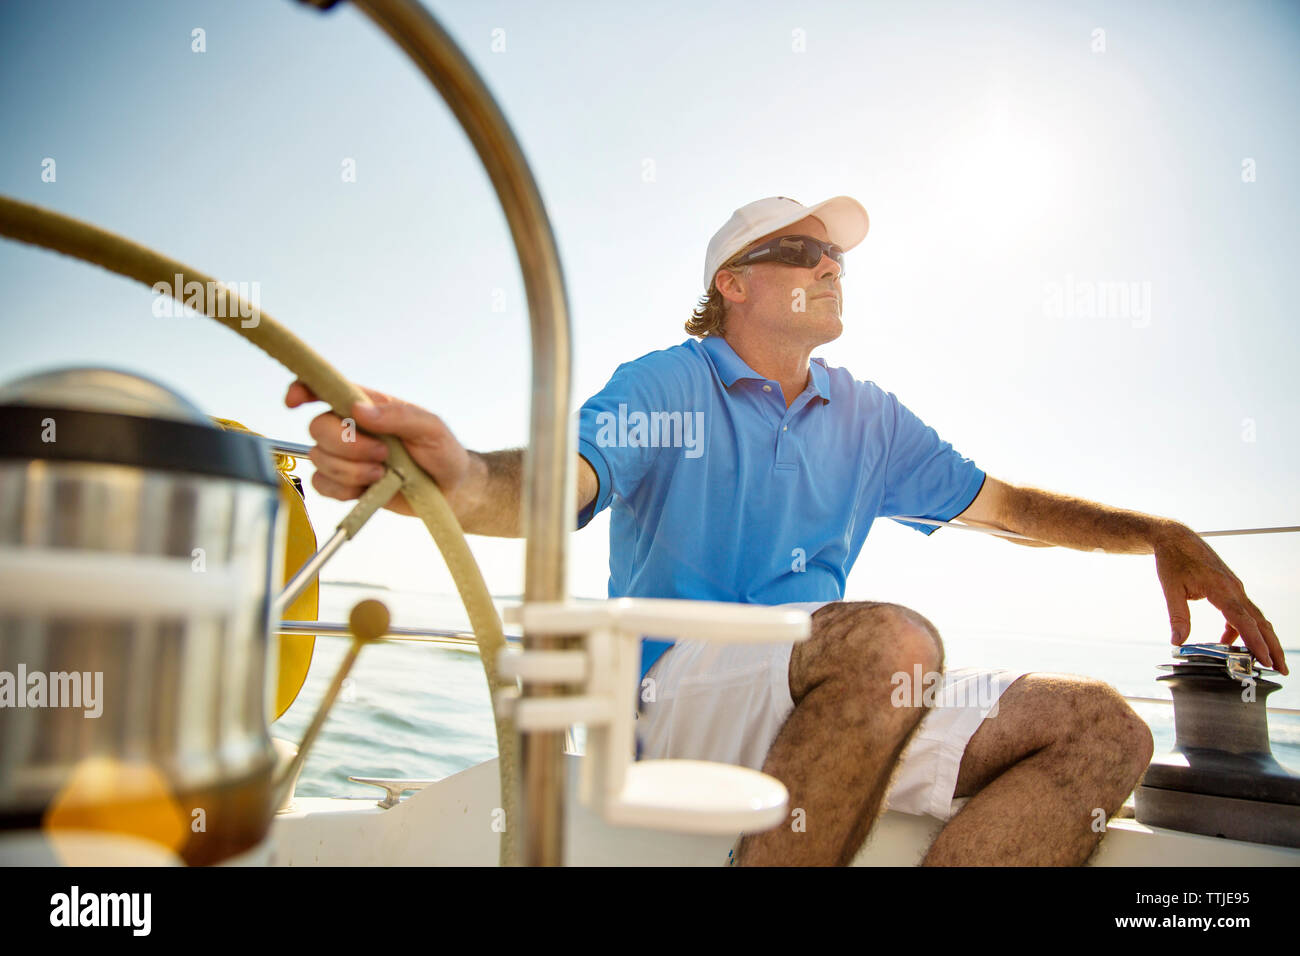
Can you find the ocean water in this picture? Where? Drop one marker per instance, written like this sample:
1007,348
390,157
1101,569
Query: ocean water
420,711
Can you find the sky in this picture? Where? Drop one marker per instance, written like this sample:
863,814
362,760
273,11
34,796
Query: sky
1022,164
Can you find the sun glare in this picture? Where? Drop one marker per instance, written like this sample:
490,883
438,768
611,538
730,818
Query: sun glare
1002,174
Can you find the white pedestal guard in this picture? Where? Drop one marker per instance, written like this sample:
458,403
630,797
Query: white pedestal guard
689,796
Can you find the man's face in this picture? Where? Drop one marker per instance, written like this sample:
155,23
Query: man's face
793,301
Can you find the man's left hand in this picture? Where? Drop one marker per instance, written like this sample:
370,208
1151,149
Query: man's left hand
1189,570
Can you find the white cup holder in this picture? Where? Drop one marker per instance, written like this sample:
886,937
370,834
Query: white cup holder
689,796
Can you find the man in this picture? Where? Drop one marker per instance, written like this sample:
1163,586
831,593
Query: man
739,470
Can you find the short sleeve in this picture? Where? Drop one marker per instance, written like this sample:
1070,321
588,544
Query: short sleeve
925,477
610,436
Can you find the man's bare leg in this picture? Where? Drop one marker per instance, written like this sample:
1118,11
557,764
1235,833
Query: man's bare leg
1061,754
837,750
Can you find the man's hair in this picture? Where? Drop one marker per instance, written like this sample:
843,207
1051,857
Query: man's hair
710,315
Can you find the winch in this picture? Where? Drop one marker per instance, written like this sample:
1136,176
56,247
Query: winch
136,548
1221,778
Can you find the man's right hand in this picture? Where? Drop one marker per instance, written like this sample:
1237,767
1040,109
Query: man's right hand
346,468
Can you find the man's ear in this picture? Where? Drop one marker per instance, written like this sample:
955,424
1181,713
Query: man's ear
731,285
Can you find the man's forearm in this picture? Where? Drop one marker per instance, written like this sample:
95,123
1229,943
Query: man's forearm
491,501
1187,567
1086,525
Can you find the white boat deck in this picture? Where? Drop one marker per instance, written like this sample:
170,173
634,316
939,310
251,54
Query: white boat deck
451,824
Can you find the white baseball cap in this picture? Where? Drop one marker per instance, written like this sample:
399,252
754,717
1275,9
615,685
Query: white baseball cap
845,220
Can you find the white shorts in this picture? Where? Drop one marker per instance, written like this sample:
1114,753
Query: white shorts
728,702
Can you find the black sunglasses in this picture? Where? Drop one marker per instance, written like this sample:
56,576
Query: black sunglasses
802,251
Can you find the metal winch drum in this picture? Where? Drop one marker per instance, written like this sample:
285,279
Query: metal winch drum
1221,778
137,543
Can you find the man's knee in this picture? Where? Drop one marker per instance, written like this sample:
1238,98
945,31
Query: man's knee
1129,731
1103,721
929,643
897,634
866,641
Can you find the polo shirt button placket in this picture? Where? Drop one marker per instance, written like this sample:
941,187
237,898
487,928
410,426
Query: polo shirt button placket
782,453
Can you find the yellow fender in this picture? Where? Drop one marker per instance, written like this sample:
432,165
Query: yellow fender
299,545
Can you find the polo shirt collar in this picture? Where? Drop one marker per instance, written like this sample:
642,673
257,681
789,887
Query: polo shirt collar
821,379
731,367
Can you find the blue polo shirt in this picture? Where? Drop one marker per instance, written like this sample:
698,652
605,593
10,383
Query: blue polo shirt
721,493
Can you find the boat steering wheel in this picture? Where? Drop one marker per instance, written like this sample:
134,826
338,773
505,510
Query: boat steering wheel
42,227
